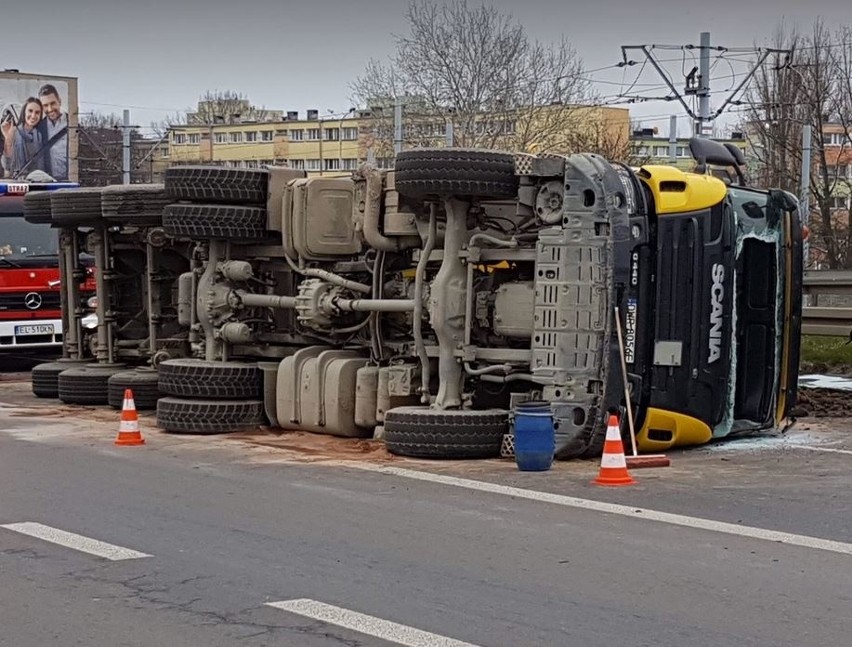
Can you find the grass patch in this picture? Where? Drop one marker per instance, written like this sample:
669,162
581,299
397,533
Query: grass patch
821,354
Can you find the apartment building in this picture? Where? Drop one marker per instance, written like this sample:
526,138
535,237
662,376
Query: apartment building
241,136
649,147
321,145
838,157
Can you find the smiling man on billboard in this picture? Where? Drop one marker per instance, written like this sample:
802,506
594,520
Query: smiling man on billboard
55,128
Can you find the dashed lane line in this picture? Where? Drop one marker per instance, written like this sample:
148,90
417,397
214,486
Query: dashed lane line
368,625
829,450
632,512
74,541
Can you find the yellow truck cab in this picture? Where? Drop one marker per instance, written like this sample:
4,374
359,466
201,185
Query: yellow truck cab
712,315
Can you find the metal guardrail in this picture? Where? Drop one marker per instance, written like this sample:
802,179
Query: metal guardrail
827,321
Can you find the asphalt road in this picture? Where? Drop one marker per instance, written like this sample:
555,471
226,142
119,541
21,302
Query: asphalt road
224,537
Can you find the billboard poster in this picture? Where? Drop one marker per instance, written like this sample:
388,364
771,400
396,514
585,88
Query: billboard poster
38,127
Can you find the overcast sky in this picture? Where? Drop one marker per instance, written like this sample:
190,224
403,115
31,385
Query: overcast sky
156,57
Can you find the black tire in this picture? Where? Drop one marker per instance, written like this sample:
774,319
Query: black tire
142,382
442,172
202,221
196,378
86,384
420,432
217,184
45,377
208,416
37,207
75,206
135,204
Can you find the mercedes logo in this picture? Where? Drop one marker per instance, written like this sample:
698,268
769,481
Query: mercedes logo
32,300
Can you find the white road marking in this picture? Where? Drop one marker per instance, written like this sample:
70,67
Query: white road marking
698,523
368,625
825,449
77,542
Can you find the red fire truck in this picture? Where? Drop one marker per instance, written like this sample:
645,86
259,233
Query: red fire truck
30,284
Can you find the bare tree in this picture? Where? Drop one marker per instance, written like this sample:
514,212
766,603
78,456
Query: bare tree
812,87
100,151
476,70
605,135
224,107
162,127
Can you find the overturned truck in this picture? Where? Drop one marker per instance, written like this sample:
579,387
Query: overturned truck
422,305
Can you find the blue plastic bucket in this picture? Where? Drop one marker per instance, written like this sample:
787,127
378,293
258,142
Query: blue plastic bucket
535,442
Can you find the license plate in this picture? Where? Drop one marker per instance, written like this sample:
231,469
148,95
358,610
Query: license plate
34,329
17,189
630,332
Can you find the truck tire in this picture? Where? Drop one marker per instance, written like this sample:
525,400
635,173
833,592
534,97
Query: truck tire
196,378
37,207
45,377
596,444
143,383
443,172
420,432
86,384
135,204
70,207
208,416
202,221
217,184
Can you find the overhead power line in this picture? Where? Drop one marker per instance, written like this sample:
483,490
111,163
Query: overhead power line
697,80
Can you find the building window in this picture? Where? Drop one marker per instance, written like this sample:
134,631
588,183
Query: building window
313,134
164,153
836,139
251,136
349,134
312,165
683,151
331,134
297,135
179,138
349,164
266,135
221,138
195,139
297,164
661,151
236,138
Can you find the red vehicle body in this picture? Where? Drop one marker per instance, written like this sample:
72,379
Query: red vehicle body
30,280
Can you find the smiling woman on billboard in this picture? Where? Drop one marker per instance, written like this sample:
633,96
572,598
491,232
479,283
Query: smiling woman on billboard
23,143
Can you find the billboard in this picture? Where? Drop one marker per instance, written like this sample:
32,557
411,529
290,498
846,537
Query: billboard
38,126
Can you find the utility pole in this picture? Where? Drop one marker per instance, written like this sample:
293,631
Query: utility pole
804,201
673,139
703,93
125,148
397,125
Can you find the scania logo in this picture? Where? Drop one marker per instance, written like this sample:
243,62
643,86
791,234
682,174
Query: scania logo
32,300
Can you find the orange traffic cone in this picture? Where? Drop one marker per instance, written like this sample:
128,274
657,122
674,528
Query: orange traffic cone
613,464
128,428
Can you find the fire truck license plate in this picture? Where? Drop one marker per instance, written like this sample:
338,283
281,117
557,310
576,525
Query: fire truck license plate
34,329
